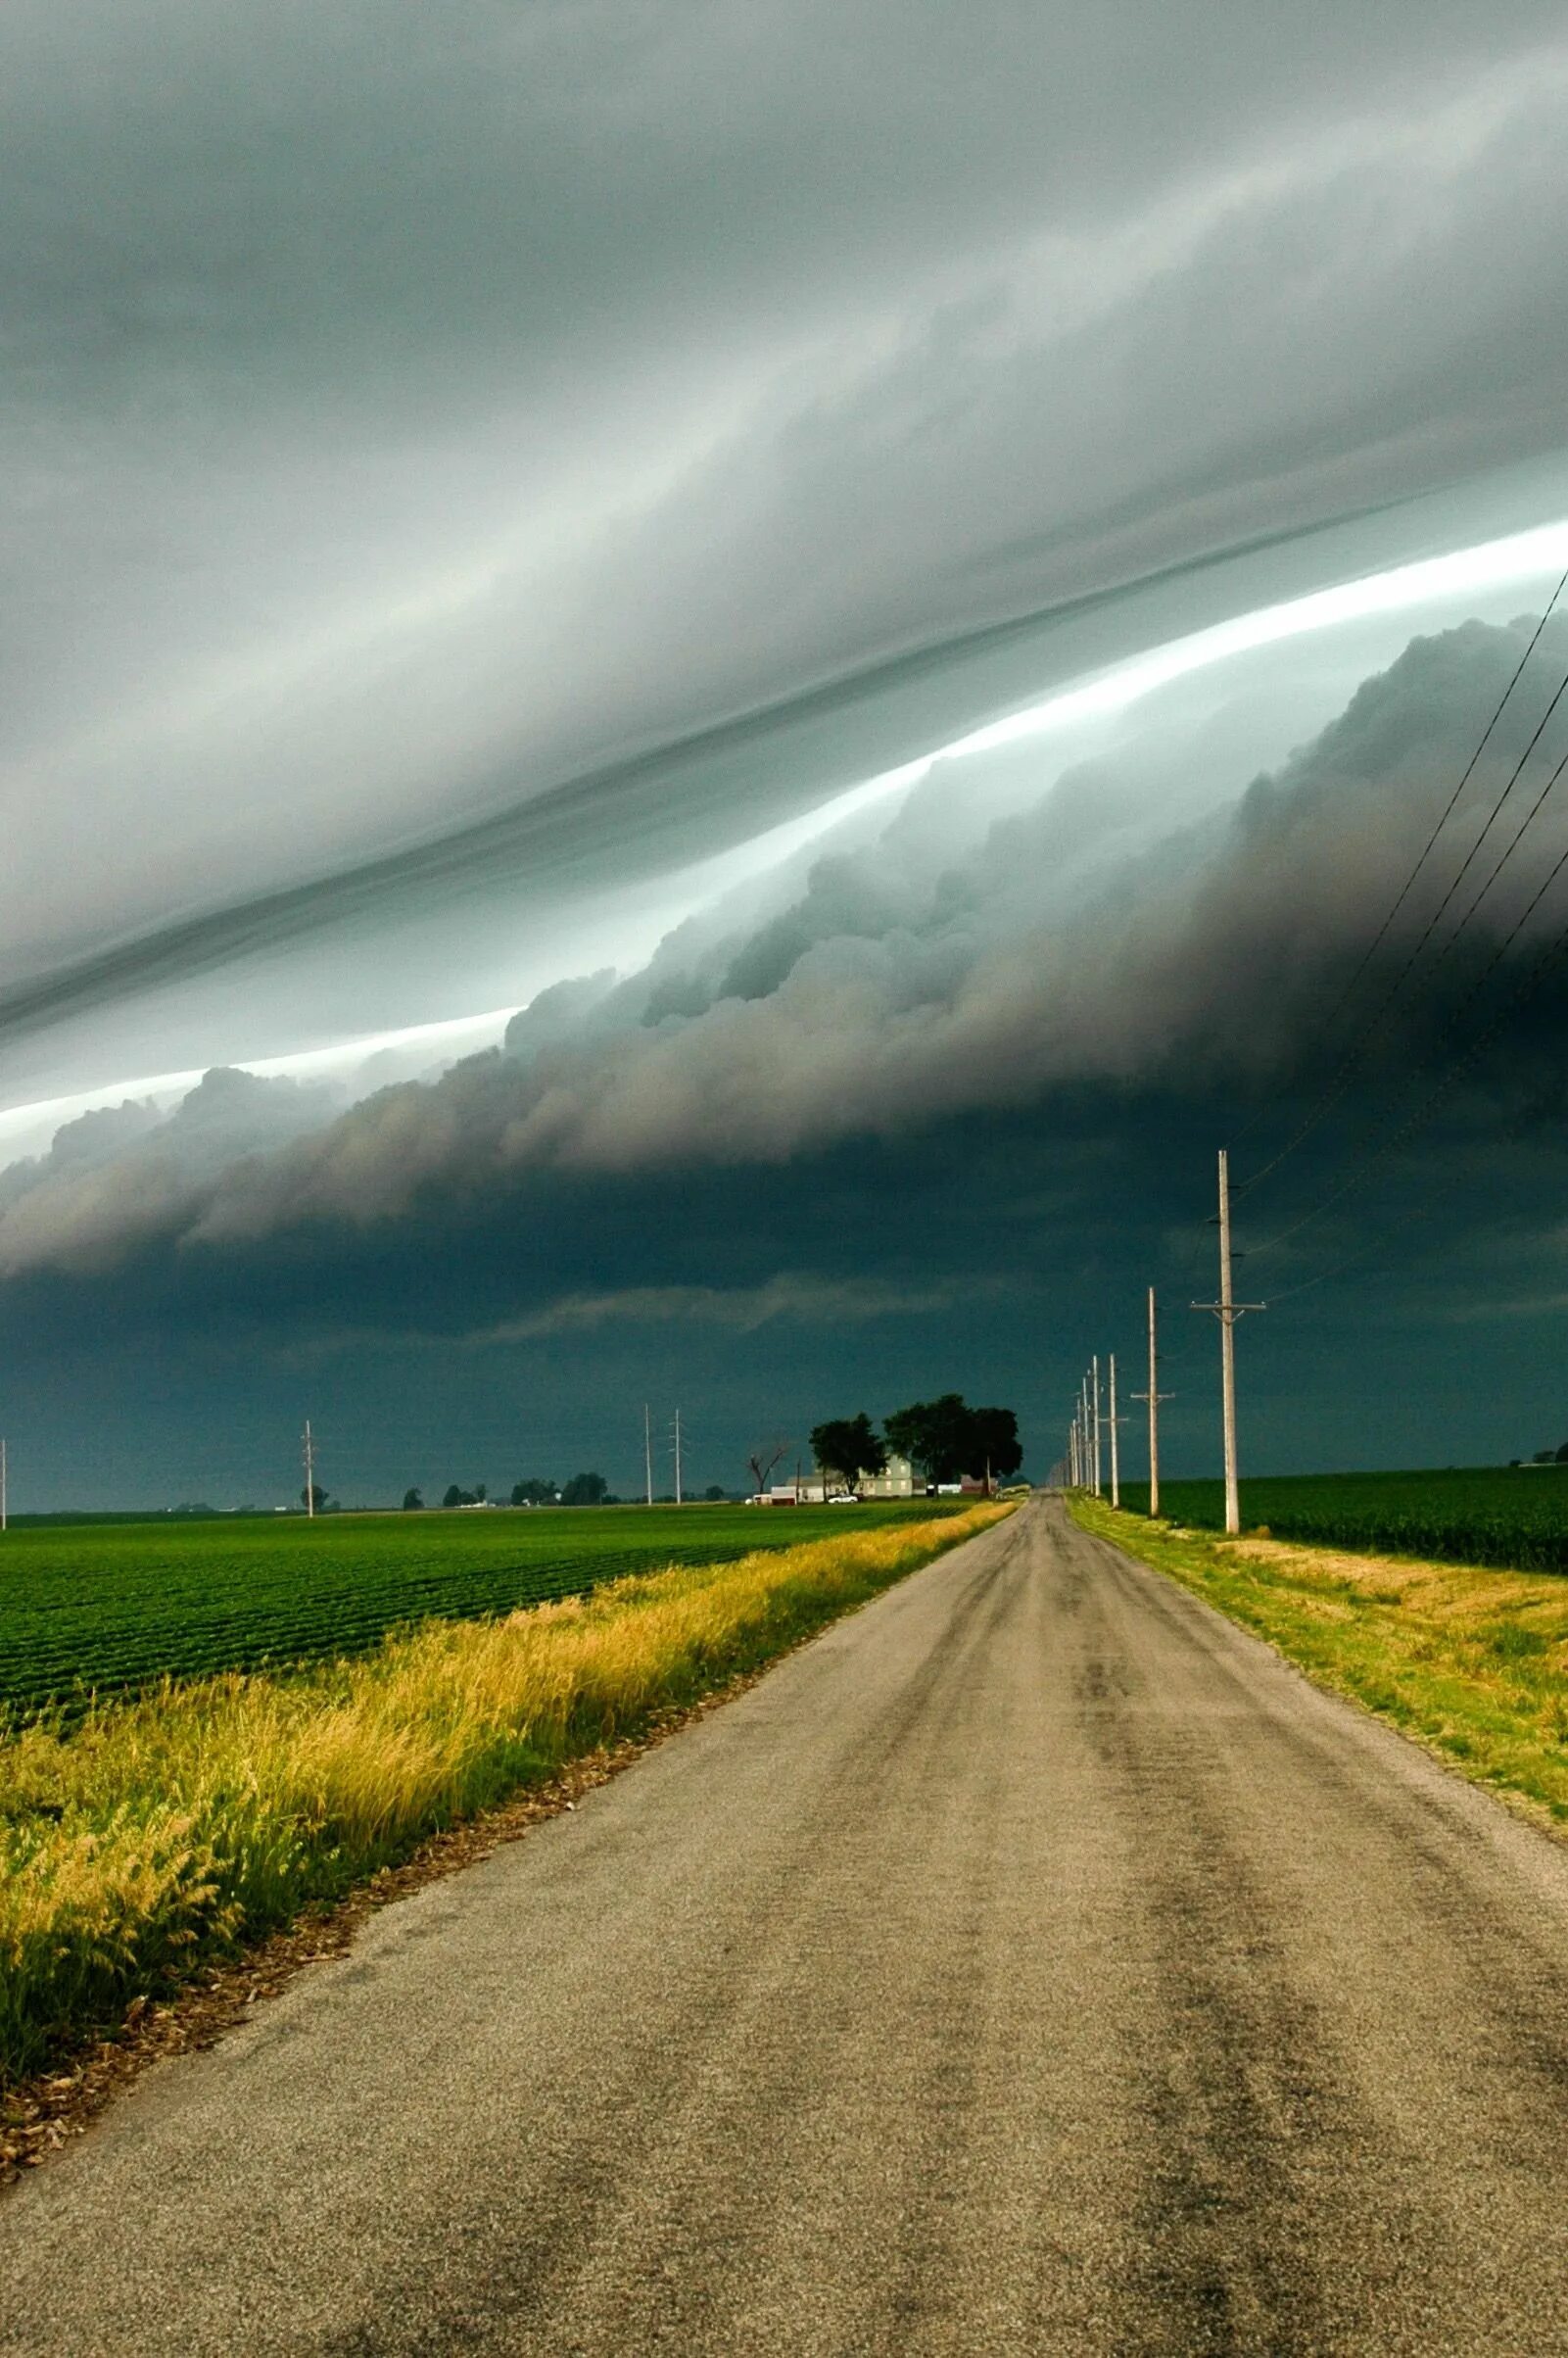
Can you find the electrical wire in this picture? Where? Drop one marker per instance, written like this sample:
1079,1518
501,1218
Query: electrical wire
1350,1064
1391,1141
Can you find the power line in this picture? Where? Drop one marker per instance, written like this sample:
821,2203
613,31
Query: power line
1349,1064
1381,936
1360,1171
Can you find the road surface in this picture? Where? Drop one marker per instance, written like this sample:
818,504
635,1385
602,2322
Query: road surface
1033,1963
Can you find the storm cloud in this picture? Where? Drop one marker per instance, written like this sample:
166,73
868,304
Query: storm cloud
950,961
458,468
751,565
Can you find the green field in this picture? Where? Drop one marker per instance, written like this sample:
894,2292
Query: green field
108,1608
1513,1516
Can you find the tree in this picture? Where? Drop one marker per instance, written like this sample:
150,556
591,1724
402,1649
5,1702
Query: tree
763,1458
317,1492
997,1447
533,1493
713,1494
454,1497
946,1439
848,1447
935,1435
585,1490
412,1499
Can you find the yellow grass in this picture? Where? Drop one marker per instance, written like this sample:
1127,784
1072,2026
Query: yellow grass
160,1829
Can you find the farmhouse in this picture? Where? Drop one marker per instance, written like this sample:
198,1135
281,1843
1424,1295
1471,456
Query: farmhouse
811,1490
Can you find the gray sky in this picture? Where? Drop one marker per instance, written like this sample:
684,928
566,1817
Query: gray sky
480,484
408,415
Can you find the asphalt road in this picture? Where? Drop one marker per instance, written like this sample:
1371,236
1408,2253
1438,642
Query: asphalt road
1031,1964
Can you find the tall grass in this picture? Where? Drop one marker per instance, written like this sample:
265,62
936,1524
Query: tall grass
152,1834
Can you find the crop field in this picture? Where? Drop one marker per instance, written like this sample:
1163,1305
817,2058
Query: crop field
1511,1516
112,1608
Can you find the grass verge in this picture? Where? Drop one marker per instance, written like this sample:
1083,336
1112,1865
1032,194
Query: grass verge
1469,1661
152,1836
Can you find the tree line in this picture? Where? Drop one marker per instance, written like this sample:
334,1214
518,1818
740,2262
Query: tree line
583,1490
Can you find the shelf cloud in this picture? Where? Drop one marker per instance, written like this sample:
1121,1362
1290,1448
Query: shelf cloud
938,967
573,510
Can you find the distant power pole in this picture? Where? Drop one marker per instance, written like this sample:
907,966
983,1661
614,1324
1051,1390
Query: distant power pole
1227,1310
1094,1412
1153,1396
1115,1475
3,1512
648,1450
678,1457
309,1470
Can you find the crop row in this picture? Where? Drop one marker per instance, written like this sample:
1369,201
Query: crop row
112,1610
1512,1517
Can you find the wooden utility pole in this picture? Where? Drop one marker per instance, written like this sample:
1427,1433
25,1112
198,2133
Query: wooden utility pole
648,1450
309,1470
1094,1415
4,1513
1153,1396
1228,1310
1116,1472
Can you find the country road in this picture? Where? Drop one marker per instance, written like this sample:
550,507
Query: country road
1031,1964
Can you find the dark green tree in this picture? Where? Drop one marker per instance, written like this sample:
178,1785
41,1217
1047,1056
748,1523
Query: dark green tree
945,1438
848,1447
713,1494
935,1435
533,1493
585,1490
996,1445
320,1497
411,1500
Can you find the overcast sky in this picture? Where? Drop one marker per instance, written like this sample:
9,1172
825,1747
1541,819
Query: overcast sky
542,508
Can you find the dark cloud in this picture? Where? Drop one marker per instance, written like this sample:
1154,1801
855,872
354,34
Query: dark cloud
943,966
469,476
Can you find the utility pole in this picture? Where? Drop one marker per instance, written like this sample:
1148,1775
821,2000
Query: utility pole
1095,1444
1153,1396
1227,1310
309,1470
1072,1450
678,1457
1116,1475
648,1450
4,1523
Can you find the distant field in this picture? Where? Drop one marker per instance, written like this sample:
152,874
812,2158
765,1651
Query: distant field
1514,1516
114,1606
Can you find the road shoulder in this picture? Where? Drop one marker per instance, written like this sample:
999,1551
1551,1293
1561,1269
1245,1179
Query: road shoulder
1467,1662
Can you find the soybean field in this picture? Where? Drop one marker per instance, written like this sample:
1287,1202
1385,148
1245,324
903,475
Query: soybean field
110,1608
1513,1516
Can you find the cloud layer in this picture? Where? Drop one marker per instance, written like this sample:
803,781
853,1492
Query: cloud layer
1063,932
457,461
